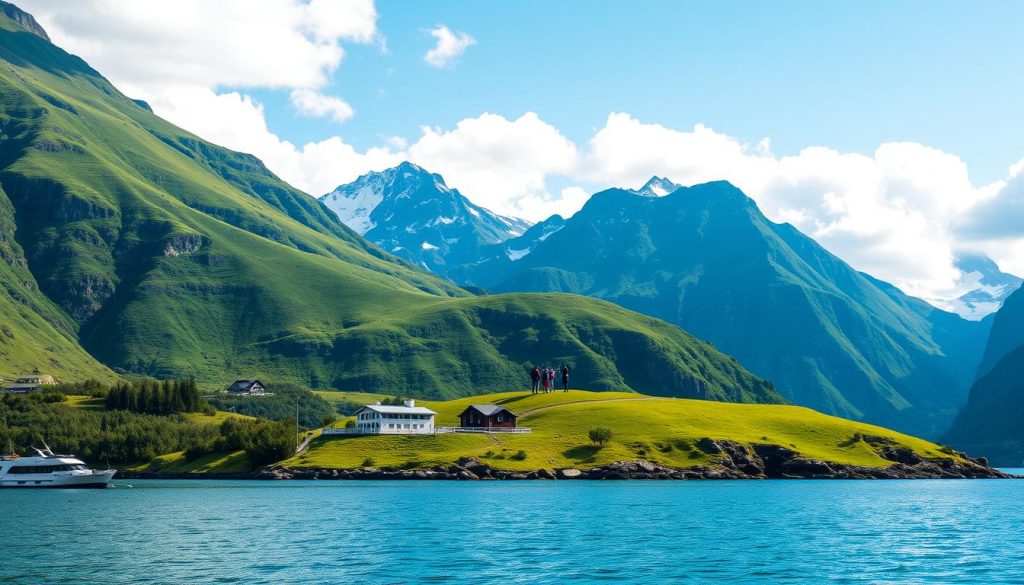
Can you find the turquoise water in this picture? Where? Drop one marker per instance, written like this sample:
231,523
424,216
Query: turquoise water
516,532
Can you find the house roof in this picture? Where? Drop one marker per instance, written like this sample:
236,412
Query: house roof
244,383
489,409
385,409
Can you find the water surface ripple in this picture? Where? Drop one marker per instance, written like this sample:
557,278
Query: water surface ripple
517,532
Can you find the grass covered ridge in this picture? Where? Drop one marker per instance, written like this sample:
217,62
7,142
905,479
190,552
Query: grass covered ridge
662,430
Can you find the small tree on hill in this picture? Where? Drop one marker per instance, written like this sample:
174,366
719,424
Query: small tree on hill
600,436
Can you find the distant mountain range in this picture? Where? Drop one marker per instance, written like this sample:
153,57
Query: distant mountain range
130,246
707,259
989,287
992,422
413,214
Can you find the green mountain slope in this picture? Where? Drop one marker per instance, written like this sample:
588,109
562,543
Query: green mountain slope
165,255
992,422
705,258
1007,332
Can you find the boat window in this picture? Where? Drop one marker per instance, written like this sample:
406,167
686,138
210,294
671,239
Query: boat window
22,469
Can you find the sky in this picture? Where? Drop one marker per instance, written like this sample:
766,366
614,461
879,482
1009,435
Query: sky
890,132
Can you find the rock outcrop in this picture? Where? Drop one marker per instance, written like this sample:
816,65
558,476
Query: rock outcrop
736,461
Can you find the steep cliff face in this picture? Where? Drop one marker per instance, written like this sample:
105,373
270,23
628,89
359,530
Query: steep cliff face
992,422
1007,332
23,19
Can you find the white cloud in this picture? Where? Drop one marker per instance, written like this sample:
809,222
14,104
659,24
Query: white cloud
229,43
450,45
495,161
310,102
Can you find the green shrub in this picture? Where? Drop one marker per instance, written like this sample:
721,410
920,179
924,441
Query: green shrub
519,456
600,436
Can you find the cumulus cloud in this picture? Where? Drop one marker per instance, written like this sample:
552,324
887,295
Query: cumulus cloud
500,163
1000,217
309,102
156,43
450,45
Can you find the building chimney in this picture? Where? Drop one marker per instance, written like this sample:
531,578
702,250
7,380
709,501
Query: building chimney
410,403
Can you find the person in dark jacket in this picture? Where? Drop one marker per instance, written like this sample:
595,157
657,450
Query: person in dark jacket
565,377
535,378
544,379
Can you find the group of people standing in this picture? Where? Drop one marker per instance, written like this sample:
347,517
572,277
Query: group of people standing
543,379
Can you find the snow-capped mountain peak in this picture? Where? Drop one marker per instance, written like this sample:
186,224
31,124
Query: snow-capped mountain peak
656,187
987,287
411,212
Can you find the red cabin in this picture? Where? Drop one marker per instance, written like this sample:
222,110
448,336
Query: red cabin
487,416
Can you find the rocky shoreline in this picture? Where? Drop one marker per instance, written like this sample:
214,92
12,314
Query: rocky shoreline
735,462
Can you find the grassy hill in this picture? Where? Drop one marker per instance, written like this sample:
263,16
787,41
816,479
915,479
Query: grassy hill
662,430
130,244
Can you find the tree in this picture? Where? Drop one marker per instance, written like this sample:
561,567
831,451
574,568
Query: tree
599,436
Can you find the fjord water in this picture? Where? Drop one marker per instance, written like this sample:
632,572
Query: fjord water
516,532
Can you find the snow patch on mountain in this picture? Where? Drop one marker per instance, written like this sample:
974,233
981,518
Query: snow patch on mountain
656,187
983,288
354,207
514,255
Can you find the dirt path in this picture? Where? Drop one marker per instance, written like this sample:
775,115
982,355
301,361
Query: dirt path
534,411
304,445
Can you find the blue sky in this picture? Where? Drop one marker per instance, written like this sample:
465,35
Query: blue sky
846,75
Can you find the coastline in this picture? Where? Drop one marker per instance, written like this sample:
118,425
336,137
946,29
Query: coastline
736,463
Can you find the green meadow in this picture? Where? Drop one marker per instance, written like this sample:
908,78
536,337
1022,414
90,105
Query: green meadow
662,430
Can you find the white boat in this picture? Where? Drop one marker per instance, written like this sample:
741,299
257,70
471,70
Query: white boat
47,470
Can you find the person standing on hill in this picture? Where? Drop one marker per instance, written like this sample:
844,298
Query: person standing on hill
544,379
551,379
565,377
535,378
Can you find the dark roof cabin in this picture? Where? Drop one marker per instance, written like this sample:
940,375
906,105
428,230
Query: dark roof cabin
247,387
487,415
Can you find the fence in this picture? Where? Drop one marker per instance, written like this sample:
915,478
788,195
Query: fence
483,430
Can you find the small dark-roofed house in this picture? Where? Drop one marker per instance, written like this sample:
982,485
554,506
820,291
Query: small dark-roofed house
487,415
249,387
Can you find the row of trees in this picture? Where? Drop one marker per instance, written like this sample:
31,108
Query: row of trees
117,436
152,397
264,441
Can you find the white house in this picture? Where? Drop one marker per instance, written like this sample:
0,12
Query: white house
29,383
378,419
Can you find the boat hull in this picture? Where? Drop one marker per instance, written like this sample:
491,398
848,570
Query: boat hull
95,480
